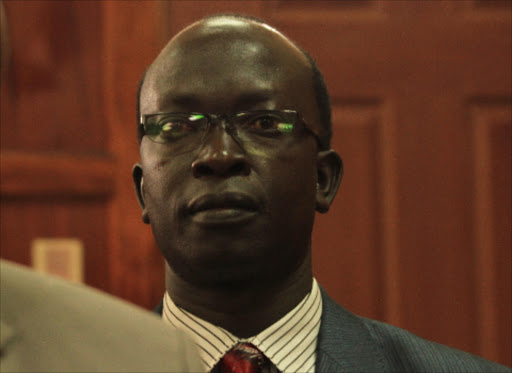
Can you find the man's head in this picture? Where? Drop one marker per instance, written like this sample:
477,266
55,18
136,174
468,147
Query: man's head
236,206
321,93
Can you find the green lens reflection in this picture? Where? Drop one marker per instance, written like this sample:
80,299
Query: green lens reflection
285,127
195,117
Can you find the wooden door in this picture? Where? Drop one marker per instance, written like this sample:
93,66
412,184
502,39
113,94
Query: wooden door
56,170
419,235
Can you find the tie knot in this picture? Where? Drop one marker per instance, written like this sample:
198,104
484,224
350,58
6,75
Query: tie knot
244,358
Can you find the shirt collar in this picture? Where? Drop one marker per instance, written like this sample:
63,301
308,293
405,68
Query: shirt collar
290,343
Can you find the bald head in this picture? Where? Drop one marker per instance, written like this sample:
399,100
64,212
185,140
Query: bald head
230,28
241,55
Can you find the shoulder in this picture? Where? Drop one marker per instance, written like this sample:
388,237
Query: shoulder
48,324
398,349
412,353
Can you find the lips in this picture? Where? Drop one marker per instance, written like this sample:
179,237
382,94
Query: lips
237,201
223,208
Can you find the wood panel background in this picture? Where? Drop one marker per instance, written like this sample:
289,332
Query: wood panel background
420,234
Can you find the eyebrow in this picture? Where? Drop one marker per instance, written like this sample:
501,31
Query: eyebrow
187,101
253,98
245,100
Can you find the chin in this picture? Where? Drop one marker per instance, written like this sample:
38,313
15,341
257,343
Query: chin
234,272
234,279
219,277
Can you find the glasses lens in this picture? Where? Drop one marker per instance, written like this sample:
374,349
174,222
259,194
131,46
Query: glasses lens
171,128
269,124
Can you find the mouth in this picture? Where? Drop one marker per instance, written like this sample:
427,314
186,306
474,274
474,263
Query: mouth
222,209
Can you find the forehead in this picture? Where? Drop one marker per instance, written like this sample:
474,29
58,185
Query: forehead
226,64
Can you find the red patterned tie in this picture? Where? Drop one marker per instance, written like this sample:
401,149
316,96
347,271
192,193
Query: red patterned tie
245,358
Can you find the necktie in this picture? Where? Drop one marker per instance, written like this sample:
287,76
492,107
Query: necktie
245,358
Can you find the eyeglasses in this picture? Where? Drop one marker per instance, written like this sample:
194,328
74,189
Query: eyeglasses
182,131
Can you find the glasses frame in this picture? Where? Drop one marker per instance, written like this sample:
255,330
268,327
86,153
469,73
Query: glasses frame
227,118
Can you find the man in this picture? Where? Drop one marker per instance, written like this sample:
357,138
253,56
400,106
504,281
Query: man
235,159
50,325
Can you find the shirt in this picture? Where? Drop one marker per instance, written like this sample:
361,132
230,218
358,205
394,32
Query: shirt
289,343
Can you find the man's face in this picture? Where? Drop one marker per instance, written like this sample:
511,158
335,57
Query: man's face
225,211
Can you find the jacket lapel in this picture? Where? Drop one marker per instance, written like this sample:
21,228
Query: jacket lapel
159,308
344,343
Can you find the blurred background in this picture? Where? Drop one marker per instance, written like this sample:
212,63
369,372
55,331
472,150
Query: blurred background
420,233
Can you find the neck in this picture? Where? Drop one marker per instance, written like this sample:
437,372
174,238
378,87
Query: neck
243,312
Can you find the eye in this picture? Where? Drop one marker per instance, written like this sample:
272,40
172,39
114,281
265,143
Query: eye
265,123
269,125
176,127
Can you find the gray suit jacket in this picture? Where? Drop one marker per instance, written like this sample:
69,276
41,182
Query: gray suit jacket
349,343
49,325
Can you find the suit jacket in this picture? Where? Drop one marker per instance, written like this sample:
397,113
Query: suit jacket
350,343
50,325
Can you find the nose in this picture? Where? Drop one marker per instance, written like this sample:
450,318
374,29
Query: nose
221,155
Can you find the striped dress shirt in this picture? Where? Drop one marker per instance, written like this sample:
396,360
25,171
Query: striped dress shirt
290,343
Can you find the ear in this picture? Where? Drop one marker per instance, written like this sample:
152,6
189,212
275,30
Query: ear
138,180
330,171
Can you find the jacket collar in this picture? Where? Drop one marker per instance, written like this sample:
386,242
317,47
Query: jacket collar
344,342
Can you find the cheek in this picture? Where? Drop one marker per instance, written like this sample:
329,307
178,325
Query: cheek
155,184
292,185
162,190
162,184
